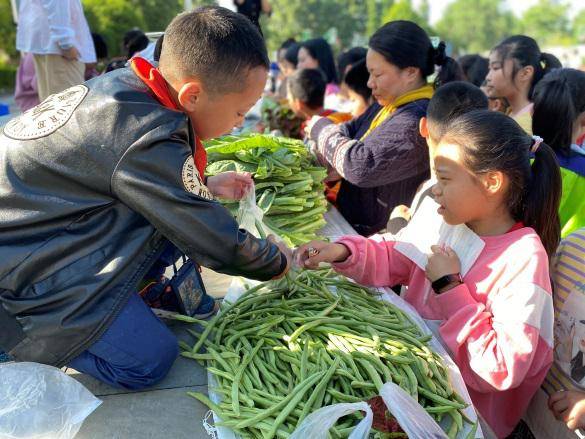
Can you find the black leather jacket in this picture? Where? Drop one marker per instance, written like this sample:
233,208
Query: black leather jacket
93,182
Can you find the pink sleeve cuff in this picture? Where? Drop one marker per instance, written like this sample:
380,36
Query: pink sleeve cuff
353,256
454,300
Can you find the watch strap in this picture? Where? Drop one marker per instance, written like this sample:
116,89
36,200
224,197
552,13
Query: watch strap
446,282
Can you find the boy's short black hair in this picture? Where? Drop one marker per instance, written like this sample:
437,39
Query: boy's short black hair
357,78
215,45
350,58
451,101
308,86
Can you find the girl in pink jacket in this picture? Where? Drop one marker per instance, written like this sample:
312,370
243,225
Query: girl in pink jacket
498,319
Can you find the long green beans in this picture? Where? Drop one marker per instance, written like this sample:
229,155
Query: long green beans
288,347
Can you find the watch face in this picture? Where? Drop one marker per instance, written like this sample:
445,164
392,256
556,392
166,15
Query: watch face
48,116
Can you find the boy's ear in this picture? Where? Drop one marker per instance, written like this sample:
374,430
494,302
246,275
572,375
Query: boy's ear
423,127
189,94
493,182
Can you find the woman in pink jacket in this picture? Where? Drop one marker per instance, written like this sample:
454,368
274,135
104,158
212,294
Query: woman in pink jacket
498,319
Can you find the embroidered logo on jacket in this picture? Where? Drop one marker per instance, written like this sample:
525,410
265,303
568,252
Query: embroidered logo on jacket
192,180
48,116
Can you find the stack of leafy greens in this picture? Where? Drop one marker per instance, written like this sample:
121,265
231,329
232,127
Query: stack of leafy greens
289,187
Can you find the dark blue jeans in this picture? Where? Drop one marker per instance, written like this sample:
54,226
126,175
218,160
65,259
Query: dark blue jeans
135,352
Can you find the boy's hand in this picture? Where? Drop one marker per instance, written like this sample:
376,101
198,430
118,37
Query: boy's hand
312,254
230,185
442,261
568,407
284,250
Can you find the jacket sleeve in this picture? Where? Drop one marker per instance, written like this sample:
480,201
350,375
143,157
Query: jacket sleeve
156,178
58,15
374,262
497,347
393,152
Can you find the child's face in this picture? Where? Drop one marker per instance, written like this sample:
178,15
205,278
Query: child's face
459,192
214,115
500,82
306,61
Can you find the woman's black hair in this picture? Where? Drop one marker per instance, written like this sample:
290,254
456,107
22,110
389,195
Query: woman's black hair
100,45
292,54
475,68
357,80
349,58
559,99
134,41
525,52
406,44
320,50
492,141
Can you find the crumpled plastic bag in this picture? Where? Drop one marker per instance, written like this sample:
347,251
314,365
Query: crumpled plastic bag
413,419
41,402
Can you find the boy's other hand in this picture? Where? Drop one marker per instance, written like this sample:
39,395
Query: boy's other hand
230,185
568,407
442,262
312,254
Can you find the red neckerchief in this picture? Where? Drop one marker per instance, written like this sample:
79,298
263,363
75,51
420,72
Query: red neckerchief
519,225
159,87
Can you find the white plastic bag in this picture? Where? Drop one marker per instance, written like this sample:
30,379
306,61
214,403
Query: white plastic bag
41,402
250,216
318,423
413,419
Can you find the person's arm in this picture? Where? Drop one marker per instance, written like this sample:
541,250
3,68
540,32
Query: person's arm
156,178
496,347
366,261
391,153
58,15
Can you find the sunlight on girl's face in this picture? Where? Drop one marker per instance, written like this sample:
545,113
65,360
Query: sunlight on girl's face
458,191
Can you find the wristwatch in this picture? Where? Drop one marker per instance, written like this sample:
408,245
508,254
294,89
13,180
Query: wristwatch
447,282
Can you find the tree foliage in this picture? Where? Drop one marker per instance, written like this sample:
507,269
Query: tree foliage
476,25
403,10
547,22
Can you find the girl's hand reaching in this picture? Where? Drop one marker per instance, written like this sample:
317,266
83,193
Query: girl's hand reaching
569,407
442,262
312,254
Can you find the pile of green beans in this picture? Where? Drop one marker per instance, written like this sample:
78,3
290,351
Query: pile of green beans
288,347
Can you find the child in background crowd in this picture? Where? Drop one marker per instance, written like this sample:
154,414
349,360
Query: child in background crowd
516,66
562,395
559,118
285,67
498,320
449,102
317,54
475,68
306,96
355,82
345,63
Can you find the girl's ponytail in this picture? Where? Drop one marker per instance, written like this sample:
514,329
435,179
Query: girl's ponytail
449,69
543,195
549,62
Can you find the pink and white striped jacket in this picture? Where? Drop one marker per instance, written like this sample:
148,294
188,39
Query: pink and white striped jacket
498,324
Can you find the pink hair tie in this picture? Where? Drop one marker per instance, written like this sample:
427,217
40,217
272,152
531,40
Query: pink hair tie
537,141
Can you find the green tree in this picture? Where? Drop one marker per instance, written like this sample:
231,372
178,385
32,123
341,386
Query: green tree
403,10
547,22
8,32
476,25
578,27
